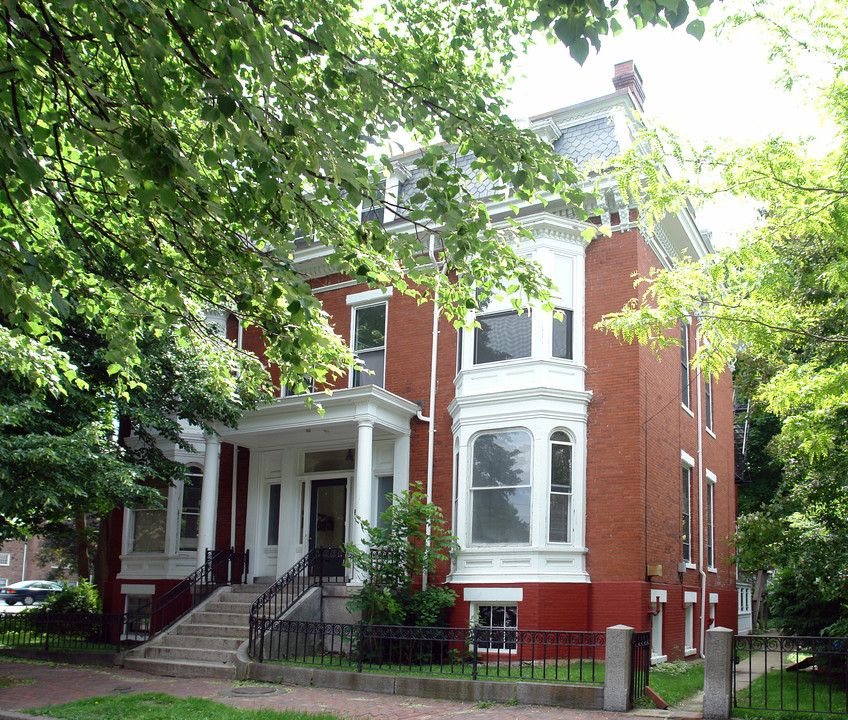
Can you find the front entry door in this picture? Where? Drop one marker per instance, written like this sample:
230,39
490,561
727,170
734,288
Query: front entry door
327,521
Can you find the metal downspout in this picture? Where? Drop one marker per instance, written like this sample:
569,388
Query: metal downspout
431,435
701,570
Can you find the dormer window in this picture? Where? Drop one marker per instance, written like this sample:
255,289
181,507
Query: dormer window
373,210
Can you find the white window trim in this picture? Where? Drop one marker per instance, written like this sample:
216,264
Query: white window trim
709,406
5,559
493,595
690,600
684,352
709,524
369,297
687,468
658,598
570,443
474,610
361,301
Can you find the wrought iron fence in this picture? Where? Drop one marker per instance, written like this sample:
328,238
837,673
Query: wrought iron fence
112,632
78,632
308,572
640,648
792,674
460,652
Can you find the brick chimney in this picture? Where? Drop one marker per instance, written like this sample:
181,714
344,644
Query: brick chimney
627,77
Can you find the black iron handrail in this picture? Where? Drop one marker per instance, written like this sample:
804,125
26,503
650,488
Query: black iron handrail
222,567
308,572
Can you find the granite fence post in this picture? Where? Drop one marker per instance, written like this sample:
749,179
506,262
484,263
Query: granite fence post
718,674
618,667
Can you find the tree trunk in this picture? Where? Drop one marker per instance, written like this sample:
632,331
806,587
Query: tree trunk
81,546
757,614
101,554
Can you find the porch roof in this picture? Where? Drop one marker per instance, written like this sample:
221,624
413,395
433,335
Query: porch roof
290,420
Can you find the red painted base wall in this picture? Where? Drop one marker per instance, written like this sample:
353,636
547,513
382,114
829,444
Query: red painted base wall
597,606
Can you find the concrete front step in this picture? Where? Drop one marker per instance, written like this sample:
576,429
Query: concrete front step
255,589
181,654
213,618
205,642
227,606
198,629
183,669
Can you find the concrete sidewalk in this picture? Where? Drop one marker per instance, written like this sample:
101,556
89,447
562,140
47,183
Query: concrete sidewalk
39,685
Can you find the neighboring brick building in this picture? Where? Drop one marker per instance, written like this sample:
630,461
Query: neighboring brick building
19,561
589,483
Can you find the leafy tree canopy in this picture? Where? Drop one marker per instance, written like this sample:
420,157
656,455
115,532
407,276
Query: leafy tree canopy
161,158
58,453
776,304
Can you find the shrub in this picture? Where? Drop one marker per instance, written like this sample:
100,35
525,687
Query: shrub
82,598
410,539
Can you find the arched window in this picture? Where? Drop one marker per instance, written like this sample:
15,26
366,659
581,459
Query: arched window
559,526
500,488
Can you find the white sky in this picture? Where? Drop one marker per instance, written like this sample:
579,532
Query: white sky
707,91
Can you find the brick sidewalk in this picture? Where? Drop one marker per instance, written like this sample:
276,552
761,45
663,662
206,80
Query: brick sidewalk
45,684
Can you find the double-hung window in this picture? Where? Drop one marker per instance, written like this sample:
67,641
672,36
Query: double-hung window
369,344
684,364
710,532
562,334
686,510
559,526
190,509
497,627
562,330
505,335
708,403
148,528
504,332
500,488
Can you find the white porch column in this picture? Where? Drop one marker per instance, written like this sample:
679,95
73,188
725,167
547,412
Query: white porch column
401,464
362,482
208,498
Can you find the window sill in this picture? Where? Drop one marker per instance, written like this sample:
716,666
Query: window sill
691,566
689,652
655,659
687,410
710,432
713,570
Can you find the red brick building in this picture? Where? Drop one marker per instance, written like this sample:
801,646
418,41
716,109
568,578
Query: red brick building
19,561
589,484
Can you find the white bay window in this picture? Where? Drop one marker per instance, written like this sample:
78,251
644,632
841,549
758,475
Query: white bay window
500,487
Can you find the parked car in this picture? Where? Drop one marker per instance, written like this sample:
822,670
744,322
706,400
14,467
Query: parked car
28,591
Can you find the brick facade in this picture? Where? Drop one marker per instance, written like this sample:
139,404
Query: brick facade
619,405
24,564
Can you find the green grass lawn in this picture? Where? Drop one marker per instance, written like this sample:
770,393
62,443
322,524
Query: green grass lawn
159,706
575,672
674,682
802,690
